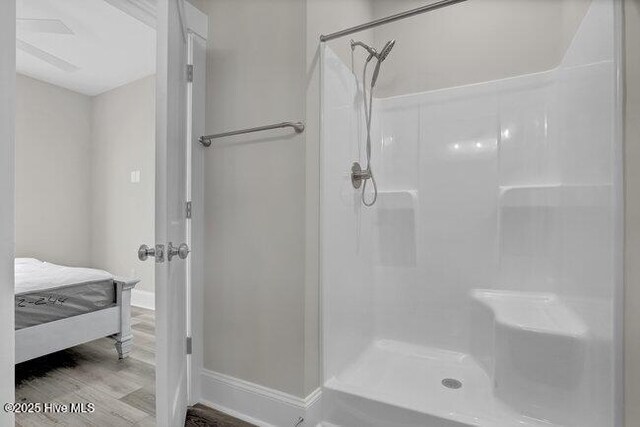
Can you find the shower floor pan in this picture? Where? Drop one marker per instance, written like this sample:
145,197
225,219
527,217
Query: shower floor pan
410,385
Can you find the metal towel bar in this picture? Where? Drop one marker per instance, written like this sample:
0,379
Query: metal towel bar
297,126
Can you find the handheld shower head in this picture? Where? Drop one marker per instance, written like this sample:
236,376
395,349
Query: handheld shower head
386,50
381,57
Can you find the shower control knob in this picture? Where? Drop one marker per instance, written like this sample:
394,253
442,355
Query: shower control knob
182,251
359,175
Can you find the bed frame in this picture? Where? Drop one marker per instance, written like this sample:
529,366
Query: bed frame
46,338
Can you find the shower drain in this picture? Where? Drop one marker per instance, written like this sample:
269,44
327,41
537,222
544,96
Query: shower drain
451,383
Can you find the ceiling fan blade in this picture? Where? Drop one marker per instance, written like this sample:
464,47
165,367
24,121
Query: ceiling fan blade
48,26
46,57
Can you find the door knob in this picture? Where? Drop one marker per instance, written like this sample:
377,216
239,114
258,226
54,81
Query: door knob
145,252
182,251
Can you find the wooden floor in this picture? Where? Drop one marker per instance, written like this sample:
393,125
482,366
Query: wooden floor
123,391
201,416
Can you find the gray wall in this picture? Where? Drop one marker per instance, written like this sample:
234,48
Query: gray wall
255,194
75,204
123,140
632,213
53,178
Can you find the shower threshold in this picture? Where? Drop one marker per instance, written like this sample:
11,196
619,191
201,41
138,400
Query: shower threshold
418,385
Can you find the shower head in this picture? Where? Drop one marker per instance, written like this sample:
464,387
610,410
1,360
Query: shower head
386,50
381,57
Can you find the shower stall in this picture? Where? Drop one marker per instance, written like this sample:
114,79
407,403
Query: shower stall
483,286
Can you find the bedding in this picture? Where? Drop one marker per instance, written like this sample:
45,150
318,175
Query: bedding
45,292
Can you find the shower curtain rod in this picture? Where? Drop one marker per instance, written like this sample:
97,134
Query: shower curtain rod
392,18
297,126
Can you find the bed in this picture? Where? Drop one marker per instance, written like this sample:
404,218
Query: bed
57,307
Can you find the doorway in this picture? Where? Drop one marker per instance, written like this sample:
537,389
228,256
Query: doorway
117,176
85,199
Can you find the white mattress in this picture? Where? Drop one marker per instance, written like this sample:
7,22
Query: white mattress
35,275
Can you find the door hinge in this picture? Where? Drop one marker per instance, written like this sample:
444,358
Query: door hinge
190,73
189,348
188,210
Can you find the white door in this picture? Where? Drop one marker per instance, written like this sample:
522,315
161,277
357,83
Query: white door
171,222
7,206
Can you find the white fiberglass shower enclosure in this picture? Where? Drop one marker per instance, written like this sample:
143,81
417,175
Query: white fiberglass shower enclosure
483,286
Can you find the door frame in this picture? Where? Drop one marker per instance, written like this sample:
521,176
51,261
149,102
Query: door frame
7,204
196,105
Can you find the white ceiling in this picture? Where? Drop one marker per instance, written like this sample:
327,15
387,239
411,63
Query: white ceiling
88,46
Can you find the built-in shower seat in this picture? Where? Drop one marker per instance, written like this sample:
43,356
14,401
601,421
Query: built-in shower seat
533,346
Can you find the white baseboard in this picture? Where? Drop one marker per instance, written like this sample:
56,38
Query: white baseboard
143,299
256,404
